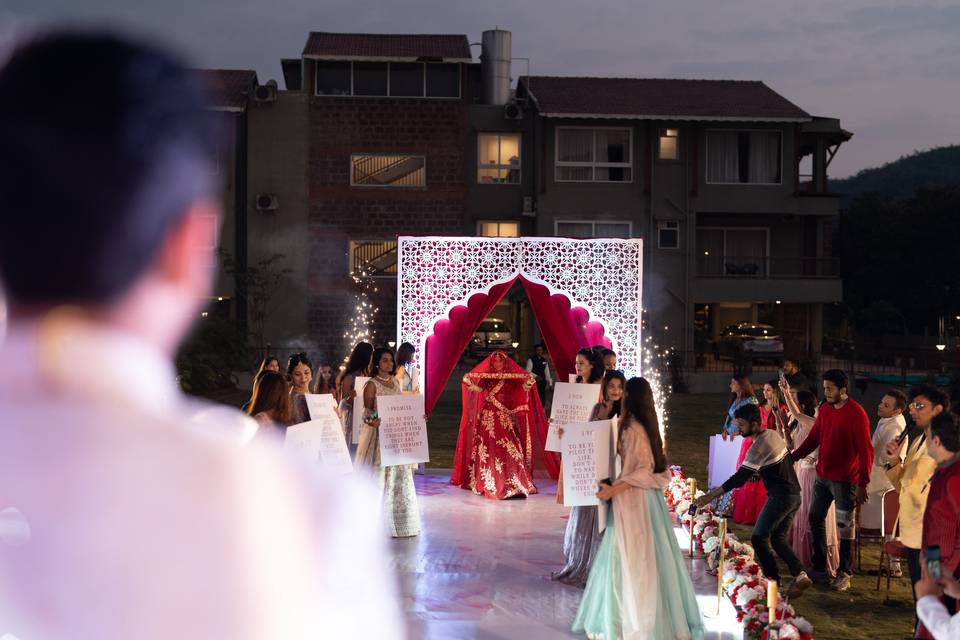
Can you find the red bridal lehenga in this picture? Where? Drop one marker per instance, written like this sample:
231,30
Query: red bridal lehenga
502,425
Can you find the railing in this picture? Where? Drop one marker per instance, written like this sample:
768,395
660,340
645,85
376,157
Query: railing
373,259
394,171
719,266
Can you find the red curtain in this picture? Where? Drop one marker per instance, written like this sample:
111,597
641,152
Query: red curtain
451,337
565,330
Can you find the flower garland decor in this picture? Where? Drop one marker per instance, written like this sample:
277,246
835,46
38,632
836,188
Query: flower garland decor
742,579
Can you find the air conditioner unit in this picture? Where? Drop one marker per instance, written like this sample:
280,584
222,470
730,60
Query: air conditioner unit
512,111
265,92
266,202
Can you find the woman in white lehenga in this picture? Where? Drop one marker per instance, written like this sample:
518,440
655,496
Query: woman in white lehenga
639,588
400,510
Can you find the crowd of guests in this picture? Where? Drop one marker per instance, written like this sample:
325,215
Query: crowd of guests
278,400
811,475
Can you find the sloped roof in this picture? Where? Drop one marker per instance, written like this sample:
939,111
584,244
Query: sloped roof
655,98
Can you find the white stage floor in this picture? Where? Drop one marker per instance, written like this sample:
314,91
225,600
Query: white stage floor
481,569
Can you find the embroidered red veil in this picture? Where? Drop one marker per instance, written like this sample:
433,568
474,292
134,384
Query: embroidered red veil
508,392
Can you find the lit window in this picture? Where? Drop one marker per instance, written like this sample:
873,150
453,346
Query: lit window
498,160
669,149
499,229
387,171
594,155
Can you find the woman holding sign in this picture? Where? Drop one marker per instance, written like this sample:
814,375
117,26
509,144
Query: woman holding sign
357,365
582,536
639,586
401,512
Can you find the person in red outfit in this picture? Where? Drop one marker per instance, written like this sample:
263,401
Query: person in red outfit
842,431
941,520
503,424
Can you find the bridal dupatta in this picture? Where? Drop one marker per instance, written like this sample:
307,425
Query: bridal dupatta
502,431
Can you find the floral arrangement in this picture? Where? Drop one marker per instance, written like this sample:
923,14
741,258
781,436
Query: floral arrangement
743,581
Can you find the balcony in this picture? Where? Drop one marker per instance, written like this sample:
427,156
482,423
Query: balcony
767,279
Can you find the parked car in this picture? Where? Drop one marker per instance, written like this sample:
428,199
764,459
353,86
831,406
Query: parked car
752,341
492,334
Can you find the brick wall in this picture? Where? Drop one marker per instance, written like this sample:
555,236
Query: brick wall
338,213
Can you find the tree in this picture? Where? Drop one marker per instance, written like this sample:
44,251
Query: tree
260,283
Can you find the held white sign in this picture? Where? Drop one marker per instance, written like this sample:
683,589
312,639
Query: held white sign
403,430
571,403
358,383
723,459
321,405
320,440
586,460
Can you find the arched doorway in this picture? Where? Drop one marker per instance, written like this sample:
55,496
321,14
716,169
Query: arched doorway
583,292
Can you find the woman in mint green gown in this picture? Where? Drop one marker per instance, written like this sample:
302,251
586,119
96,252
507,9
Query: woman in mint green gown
639,588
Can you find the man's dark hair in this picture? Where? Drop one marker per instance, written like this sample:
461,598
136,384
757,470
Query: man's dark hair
749,412
898,397
944,426
931,393
837,377
105,143
406,346
608,352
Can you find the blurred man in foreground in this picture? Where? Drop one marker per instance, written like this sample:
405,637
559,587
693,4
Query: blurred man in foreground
118,519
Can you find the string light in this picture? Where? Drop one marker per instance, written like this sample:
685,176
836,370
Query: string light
655,359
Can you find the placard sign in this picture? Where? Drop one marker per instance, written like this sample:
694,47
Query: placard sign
572,403
403,430
320,440
586,460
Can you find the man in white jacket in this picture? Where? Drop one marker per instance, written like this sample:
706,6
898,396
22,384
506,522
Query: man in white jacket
120,516
889,427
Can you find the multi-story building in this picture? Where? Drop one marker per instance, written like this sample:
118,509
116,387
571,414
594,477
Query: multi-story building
377,136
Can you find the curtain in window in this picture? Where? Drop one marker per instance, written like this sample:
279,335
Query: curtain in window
575,145
723,158
764,156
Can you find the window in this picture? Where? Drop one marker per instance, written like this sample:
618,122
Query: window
743,157
370,78
668,234
736,251
498,158
498,229
589,229
333,78
395,79
594,155
443,80
373,258
387,171
669,147
406,79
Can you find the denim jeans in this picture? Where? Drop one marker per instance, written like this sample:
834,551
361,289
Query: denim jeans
773,530
824,493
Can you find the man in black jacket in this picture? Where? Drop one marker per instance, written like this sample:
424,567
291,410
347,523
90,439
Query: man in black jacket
768,456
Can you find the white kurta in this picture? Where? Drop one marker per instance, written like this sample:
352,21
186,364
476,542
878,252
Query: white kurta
125,519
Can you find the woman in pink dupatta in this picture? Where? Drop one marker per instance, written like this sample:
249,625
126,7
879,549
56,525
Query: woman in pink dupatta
502,424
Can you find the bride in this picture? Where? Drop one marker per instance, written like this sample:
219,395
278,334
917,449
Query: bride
502,416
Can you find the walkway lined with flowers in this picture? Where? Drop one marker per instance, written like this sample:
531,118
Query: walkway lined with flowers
481,568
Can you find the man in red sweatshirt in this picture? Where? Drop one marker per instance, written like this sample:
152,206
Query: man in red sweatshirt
842,432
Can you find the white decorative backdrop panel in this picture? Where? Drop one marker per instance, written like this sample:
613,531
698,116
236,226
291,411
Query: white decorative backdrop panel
436,274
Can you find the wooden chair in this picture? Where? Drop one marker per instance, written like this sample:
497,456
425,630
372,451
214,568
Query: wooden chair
888,515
